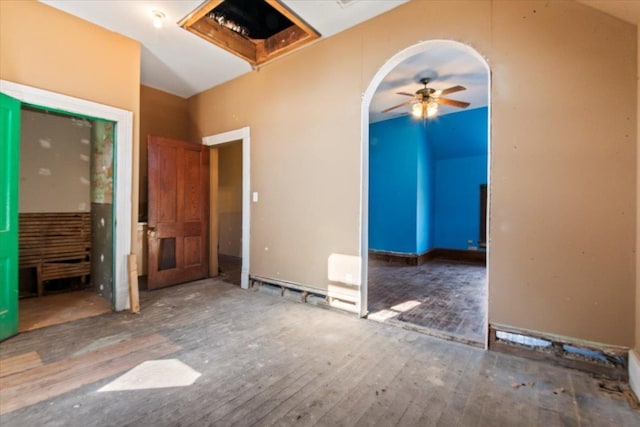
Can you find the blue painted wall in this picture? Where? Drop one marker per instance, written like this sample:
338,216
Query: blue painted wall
393,184
456,135
456,215
424,182
459,143
424,203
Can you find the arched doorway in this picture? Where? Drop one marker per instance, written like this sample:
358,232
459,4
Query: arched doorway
426,230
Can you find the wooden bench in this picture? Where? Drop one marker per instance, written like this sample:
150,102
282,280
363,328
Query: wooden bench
57,245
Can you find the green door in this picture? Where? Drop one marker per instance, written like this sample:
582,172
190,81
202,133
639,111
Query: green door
9,155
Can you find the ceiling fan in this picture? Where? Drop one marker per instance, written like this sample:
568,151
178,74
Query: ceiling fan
426,100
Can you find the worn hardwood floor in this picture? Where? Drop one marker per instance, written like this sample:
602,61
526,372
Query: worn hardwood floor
445,298
266,360
39,312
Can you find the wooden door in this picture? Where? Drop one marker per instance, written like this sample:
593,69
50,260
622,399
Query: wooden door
178,212
9,162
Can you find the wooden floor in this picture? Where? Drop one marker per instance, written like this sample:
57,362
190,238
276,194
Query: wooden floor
266,360
34,313
440,297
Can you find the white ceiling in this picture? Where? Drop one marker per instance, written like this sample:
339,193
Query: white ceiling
446,64
182,63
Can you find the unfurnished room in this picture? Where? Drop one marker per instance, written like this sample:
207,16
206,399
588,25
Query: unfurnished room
335,212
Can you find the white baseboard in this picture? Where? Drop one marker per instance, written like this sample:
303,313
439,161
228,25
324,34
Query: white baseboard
634,372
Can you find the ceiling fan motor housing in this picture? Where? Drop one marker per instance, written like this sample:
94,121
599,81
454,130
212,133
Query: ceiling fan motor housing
425,93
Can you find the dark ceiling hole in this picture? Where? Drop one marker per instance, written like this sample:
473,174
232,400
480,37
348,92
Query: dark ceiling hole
257,31
258,18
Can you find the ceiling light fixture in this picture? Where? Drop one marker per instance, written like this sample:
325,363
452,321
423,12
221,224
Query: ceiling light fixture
432,108
416,110
424,109
157,18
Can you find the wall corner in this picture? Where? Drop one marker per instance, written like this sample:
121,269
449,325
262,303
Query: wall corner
634,371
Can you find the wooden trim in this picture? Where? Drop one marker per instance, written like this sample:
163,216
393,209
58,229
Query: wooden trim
134,299
458,255
436,253
556,355
198,13
409,259
224,38
254,51
279,44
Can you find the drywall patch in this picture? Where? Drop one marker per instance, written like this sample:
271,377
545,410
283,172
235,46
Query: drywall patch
51,162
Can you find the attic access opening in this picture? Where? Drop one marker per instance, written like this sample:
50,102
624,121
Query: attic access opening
257,31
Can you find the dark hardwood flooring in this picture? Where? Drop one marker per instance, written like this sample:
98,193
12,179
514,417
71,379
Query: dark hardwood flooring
266,360
441,297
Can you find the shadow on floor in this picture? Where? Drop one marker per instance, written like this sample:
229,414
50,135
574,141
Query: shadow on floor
230,268
446,297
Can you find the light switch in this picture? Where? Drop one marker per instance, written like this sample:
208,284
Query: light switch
255,196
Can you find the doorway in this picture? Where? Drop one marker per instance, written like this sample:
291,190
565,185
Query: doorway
229,212
230,198
122,215
424,256
65,218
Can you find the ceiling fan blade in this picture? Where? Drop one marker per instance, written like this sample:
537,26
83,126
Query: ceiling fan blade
406,94
452,102
397,106
452,89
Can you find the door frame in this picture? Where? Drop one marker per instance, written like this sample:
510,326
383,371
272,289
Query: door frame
367,96
244,135
122,164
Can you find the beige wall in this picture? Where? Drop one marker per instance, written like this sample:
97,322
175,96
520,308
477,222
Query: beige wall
55,154
637,343
49,49
161,114
230,199
563,168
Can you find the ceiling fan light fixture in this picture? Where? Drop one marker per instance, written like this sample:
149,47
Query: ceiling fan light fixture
432,108
417,110
157,18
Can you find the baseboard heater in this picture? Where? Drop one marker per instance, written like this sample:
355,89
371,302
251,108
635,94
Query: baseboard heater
302,293
599,359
